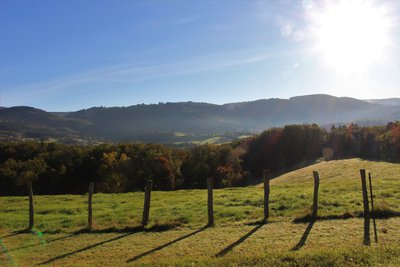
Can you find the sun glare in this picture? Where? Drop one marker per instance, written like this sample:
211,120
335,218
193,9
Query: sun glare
351,35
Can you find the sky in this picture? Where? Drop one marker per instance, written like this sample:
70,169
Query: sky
67,55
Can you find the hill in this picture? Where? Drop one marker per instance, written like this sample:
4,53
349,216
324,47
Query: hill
387,101
193,121
30,122
176,236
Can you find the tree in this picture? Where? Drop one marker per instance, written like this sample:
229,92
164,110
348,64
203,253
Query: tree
21,172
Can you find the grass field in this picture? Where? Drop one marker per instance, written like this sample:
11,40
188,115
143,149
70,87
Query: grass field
176,234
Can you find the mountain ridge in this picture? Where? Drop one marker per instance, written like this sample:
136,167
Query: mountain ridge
143,122
386,101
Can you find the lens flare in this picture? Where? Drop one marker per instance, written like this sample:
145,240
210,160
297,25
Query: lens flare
39,234
7,252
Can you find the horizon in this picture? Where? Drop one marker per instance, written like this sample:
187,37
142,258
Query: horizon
75,55
196,102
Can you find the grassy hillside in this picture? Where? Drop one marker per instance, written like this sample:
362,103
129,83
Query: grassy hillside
176,235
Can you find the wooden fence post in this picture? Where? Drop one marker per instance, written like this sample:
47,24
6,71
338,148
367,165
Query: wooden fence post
367,239
210,204
372,208
31,207
266,177
315,202
146,208
90,196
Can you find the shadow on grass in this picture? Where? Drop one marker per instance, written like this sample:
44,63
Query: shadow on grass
154,228
84,249
240,240
303,239
166,245
19,232
127,230
258,222
308,218
378,214
110,230
47,242
134,229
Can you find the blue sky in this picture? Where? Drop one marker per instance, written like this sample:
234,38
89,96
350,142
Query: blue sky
67,55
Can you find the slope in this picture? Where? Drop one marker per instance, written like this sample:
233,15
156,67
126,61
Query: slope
175,235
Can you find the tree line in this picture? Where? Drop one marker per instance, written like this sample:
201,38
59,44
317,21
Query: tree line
56,168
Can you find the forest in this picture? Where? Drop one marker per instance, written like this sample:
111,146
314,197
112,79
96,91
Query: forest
55,168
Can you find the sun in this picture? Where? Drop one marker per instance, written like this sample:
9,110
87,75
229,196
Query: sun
350,35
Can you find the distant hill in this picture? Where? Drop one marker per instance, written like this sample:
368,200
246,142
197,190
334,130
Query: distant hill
387,101
28,122
161,122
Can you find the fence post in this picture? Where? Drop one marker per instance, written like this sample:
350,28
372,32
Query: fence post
372,208
90,196
367,239
146,208
210,204
266,177
315,203
31,207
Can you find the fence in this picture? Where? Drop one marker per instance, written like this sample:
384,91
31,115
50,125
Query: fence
210,203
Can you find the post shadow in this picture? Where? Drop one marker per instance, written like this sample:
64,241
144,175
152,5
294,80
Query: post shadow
19,232
166,244
84,249
367,217
240,240
303,239
84,231
47,242
372,208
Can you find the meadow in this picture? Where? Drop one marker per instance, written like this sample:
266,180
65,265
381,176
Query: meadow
176,233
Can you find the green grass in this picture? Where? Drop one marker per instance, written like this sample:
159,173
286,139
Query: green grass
175,235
